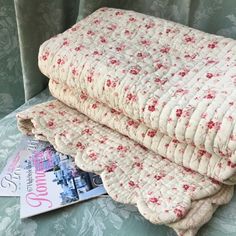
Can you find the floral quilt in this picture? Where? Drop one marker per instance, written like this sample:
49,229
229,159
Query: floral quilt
154,112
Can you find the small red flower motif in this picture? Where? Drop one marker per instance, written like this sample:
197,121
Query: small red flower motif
127,32
159,66
111,27
60,61
212,45
90,32
45,56
63,134
119,13
182,73
97,53
51,124
89,79
94,106
209,96
108,83
111,168
42,113
186,187
51,106
83,95
130,122
158,177
103,40
160,81
154,200
96,21
114,61
80,146
74,71
62,113
165,50
139,165
139,54
178,213
150,25
131,97
132,19
179,112
76,120
151,133
189,39
93,156
145,42
210,124
87,131
201,153
121,148
103,140
209,75
131,183
134,71
78,48
151,108
231,164
65,43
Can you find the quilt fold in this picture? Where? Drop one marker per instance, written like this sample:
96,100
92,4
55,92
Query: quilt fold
175,83
150,105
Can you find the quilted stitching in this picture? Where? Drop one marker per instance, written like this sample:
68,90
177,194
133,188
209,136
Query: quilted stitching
163,191
177,81
167,89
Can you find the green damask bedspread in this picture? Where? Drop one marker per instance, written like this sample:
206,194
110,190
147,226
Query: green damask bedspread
98,217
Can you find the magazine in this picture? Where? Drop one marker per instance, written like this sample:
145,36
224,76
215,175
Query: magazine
10,175
50,180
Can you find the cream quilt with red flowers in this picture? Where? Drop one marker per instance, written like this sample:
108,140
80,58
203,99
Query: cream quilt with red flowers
159,100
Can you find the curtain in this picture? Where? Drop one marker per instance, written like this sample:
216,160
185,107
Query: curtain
25,24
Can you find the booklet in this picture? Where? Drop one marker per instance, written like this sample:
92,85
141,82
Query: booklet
50,180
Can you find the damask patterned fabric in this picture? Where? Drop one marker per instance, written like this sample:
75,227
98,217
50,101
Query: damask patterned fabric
11,83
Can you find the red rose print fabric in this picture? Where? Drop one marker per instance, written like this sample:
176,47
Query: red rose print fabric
156,103
164,192
174,85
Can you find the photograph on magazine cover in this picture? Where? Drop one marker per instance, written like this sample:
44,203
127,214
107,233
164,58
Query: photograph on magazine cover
50,180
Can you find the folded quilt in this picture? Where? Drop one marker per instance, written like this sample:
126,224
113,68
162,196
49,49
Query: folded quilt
150,105
164,192
173,87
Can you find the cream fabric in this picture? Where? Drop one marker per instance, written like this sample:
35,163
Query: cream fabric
164,192
155,112
174,81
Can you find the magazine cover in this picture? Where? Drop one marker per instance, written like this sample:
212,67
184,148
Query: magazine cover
10,175
50,180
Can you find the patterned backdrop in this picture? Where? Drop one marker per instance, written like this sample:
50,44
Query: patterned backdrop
39,19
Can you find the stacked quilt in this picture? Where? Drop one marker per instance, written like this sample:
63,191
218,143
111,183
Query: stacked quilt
150,105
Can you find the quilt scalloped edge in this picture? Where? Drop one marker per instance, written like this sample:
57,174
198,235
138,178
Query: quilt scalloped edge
164,192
